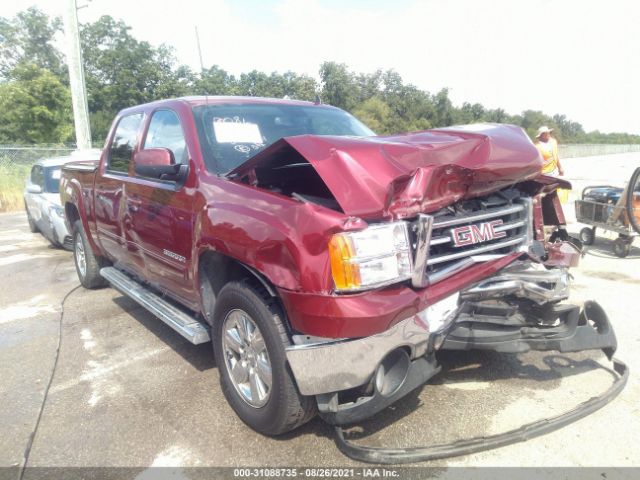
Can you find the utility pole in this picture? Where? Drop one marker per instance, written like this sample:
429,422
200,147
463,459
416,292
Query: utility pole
76,77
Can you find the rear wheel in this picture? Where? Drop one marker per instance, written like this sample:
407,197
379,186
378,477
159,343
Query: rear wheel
249,343
88,264
621,247
588,235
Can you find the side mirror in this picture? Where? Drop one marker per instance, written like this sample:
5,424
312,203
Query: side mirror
33,188
159,163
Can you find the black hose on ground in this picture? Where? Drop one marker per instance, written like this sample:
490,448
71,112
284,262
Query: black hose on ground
27,451
394,456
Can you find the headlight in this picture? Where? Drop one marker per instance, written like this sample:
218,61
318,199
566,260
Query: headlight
56,211
378,255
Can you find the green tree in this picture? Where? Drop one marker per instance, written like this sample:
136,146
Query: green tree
369,84
299,87
375,113
29,38
470,113
531,120
569,131
498,115
35,107
215,81
339,87
444,109
255,84
122,71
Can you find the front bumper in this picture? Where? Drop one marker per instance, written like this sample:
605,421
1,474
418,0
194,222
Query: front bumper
343,364
514,311
60,232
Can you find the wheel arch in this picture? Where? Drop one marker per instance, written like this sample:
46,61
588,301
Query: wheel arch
215,270
71,215
75,208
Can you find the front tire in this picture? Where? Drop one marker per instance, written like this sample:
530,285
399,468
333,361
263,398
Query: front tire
88,264
249,341
33,228
588,235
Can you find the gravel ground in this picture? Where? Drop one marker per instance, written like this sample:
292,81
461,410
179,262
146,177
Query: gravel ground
129,392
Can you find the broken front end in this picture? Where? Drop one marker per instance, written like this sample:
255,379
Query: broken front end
484,273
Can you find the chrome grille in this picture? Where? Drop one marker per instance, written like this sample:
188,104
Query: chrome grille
511,225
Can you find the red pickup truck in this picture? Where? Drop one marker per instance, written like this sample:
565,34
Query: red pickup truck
326,264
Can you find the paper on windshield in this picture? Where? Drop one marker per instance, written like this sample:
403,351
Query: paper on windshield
237,132
56,174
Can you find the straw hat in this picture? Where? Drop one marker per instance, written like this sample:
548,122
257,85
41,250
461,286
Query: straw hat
543,129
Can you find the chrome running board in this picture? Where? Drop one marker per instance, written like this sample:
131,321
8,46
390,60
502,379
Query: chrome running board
186,325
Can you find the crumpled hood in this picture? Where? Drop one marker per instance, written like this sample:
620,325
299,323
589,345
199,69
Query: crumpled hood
401,175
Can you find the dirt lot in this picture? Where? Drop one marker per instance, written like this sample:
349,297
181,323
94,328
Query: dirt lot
128,391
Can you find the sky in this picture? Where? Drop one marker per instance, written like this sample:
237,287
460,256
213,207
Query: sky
580,58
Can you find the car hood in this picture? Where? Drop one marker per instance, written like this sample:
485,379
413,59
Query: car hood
401,175
52,198
49,198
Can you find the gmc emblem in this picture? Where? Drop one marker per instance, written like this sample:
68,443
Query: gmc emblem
471,234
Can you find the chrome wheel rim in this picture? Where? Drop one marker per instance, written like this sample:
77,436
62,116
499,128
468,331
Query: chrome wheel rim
81,258
246,358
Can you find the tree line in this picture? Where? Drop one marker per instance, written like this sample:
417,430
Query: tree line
121,71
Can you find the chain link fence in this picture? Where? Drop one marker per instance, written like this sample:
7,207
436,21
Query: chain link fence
592,149
15,165
16,162
11,155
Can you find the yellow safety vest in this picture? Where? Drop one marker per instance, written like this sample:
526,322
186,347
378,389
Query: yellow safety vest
549,152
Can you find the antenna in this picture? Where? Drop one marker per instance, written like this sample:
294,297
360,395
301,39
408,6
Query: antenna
201,63
199,50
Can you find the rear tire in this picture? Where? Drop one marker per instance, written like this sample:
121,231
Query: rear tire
270,404
88,264
588,235
621,247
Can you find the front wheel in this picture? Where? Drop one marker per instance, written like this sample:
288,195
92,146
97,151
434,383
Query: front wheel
87,263
588,235
249,343
33,228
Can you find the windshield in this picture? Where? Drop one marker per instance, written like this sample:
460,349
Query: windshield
231,134
52,179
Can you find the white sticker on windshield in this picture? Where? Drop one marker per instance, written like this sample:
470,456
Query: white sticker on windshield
236,132
56,174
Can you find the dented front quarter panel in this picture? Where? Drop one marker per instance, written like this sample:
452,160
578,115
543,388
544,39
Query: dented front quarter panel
283,239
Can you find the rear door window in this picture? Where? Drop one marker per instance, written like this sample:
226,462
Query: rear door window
124,143
165,131
52,179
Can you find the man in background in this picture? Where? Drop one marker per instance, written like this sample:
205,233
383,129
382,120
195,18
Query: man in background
548,147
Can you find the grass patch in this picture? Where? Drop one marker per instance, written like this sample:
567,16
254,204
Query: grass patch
12,182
